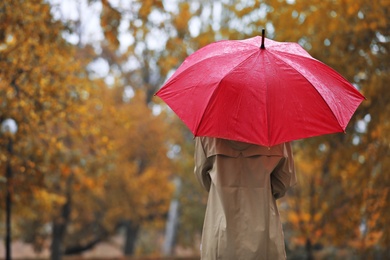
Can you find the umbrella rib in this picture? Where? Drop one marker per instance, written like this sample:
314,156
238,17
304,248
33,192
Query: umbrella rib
276,56
268,110
197,63
218,86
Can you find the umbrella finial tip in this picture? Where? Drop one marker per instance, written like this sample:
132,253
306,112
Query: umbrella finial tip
262,39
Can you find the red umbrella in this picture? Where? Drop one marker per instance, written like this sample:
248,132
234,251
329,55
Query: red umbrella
235,89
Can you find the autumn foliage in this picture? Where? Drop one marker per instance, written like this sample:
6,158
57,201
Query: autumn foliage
94,159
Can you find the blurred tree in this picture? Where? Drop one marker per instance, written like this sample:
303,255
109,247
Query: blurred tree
341,199
45,88
65,145
138,191
156,32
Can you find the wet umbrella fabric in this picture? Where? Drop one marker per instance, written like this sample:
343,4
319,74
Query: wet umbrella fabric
235,90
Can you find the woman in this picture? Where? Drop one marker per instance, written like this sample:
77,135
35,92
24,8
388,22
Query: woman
243,180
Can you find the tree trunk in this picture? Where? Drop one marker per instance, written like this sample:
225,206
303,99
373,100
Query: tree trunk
172,221
57,239
309,250
131,233
60,224
78,249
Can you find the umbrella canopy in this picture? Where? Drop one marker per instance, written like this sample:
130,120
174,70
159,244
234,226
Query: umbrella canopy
258,93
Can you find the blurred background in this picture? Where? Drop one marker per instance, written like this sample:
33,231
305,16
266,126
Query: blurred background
92,165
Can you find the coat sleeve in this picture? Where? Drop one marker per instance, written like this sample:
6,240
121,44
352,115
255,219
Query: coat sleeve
283,176
202,165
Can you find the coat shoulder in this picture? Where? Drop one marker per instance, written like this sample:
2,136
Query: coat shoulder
217,146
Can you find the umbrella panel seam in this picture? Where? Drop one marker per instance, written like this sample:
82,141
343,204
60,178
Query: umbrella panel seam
217,88
332,112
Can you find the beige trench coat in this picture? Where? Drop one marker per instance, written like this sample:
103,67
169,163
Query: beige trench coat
243,180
